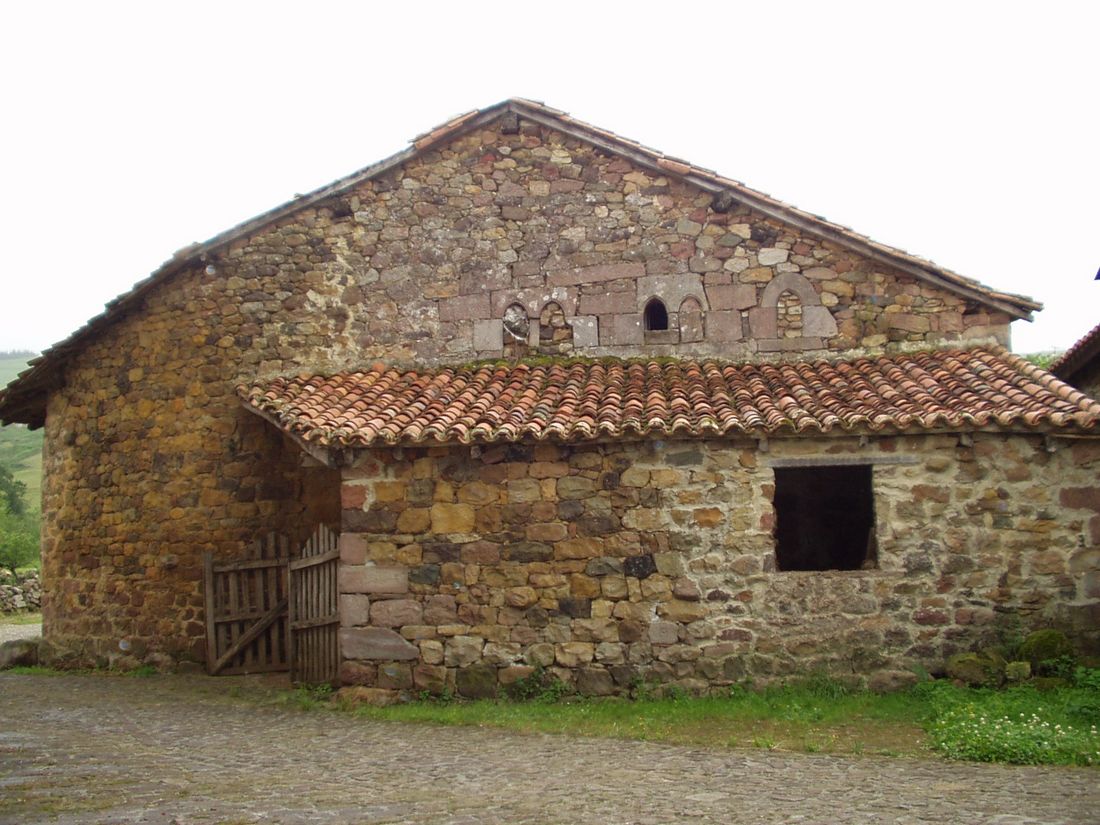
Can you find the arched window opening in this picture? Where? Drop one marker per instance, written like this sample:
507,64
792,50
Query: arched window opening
656,315
691,320
555,334
517,330
789,315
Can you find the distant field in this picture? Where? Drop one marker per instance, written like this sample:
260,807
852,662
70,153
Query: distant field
11,367
20,448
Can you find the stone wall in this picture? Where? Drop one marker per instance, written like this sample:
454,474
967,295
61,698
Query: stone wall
656,561
150,461
22,593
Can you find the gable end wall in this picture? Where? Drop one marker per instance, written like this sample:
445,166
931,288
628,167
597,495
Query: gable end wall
150,461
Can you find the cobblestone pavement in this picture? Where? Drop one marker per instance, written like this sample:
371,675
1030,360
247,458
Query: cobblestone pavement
87,749
10,632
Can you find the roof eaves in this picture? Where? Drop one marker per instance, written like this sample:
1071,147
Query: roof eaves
1078,356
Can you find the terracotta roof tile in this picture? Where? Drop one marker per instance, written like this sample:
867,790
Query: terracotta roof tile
1079,355
607,399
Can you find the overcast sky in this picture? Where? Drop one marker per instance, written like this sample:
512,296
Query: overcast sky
964,133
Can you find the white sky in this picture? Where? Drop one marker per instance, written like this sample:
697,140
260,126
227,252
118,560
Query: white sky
962,132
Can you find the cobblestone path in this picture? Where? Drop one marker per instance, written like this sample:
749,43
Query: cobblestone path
175,750
9,632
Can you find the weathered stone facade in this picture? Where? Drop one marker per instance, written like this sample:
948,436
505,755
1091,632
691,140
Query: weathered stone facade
150,461
610,564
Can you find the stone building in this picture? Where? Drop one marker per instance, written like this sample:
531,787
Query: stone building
572,403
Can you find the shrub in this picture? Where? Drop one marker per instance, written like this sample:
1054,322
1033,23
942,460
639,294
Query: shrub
976,669
539,686
1045,646
18,541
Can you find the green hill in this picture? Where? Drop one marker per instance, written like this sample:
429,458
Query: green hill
20,448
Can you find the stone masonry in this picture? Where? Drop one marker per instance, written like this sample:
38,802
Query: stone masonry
150,461
619,563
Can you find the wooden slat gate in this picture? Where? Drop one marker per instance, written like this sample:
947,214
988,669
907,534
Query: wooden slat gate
314,613
246,604
269,612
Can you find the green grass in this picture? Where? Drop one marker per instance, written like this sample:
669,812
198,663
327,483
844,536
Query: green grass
1020,725
20,618
793,718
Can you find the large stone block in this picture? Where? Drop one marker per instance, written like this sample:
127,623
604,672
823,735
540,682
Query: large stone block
489,335
353,548
594,274
452,518
621,330
461,651
372,579
595,681
818,322
354,609
465,308
730,296
396,613
763,322
375,643
477,682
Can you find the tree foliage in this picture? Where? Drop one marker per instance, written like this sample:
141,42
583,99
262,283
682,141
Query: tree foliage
18,527
13,493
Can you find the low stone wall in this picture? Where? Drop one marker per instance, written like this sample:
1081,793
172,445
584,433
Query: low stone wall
22,594
606,565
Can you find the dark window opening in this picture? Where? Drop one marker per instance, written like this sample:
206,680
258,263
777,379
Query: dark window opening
824,518
656,316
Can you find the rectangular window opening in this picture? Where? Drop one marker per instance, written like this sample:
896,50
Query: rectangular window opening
825,518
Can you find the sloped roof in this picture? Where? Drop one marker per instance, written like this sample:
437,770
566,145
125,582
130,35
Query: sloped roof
23,400
1078,356
946,390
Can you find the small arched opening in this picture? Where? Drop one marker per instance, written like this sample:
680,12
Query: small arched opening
555,333
655,315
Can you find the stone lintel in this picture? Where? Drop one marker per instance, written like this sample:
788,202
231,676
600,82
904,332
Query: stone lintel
731,296
592,274
363,579
464,307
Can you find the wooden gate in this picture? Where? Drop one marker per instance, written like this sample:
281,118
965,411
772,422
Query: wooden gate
314,612
246,610
269,612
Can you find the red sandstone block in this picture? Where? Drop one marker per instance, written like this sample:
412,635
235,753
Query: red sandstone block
927,616
1081,498
393,580
352,497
